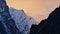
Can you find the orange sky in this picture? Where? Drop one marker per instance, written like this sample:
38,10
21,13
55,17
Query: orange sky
38,9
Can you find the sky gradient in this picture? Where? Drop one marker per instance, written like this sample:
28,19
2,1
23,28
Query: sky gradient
38,9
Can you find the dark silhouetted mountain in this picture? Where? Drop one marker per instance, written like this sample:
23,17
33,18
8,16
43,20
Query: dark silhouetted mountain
51,25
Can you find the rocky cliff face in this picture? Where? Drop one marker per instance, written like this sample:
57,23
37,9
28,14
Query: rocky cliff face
7,24
51,25
22,21
14,21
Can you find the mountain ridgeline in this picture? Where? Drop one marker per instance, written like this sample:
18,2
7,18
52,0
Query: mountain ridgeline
51,25
14,21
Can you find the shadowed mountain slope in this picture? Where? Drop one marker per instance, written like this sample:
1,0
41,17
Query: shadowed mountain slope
51,25
14,21
7,24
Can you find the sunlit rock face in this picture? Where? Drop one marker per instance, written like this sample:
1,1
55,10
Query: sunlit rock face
51,25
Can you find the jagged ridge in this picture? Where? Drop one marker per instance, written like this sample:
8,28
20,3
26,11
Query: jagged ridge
22,21
14,21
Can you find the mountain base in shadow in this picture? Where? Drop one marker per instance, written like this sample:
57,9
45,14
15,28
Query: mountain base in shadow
51,25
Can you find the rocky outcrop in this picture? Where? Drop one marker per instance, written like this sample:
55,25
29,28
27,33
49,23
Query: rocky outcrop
14,21
22,21
51,25
7,24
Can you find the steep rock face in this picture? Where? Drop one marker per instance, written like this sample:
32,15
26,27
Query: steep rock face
22,21
7,24
51,25
14,21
